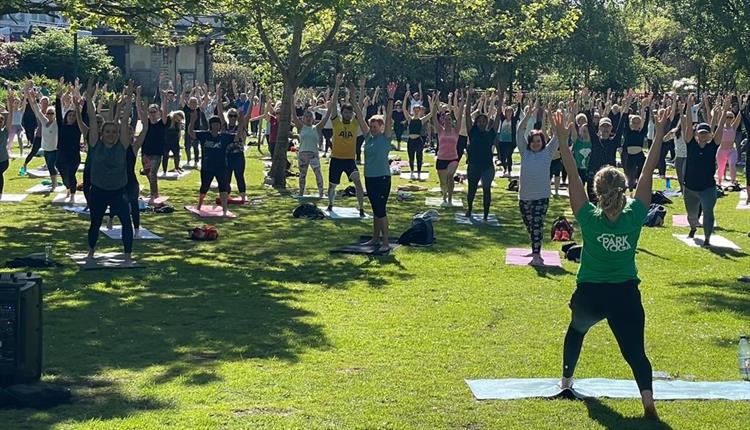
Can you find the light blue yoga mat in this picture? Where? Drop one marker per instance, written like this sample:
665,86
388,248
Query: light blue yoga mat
508,389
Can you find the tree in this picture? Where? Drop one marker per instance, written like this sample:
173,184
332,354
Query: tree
50,53
294,35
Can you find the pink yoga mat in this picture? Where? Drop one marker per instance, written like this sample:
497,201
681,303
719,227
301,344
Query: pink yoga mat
522,257
209,212
682,221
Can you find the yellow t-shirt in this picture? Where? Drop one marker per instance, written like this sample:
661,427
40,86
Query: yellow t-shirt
344,139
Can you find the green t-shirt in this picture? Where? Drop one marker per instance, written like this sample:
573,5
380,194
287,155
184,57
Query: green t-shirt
581,153
608,254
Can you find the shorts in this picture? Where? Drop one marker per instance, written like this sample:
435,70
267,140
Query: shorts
339,166
221,177
50,157
444,164
378,190
555,168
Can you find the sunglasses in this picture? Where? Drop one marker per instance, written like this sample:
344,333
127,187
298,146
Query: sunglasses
49,113
153,111
232,116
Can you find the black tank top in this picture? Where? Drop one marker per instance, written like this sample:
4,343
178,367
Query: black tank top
415,126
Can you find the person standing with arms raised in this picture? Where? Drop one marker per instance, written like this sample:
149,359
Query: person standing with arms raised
607,280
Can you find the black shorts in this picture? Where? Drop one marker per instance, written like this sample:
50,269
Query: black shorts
339,166
221,180
254,127
443,164
555,168
378,190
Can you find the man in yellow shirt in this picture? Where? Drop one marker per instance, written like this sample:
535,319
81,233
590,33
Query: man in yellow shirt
343,154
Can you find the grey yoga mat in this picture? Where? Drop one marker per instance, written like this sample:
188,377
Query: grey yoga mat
507,389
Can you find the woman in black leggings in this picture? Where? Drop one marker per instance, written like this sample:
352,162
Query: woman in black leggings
415,144
607,280
68,143
479,153
109,176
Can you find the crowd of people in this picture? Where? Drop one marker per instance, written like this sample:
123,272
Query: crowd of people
606,147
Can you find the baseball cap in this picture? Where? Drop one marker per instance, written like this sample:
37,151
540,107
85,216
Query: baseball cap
703,128
605,120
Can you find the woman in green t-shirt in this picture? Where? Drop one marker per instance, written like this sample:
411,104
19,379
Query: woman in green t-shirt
607,281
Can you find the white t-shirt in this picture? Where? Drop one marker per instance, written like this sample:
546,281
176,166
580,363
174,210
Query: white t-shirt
49,137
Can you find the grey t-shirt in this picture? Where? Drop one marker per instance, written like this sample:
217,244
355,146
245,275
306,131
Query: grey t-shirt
109,166
535,168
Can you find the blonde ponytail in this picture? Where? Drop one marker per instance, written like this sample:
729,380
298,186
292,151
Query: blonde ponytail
610,185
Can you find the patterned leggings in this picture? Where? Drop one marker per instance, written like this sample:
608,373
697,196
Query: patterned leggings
533,213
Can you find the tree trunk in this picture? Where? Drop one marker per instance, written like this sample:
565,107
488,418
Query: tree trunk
278,165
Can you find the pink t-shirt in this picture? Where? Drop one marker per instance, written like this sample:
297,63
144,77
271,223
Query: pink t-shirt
447,146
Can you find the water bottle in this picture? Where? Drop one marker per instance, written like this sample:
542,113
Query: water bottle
744,355
669,184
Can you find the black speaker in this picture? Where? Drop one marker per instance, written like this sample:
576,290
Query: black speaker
20,328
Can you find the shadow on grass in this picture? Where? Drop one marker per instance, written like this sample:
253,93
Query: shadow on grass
719,294
613,420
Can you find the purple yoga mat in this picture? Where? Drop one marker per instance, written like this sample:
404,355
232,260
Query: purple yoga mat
522,257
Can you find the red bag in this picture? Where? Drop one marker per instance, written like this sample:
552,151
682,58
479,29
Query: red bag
205,232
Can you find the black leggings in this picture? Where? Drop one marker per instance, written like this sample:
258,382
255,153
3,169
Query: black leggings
487,175
36,144
667,147
633,167
415,149
236,166
117,202
620,304
3,167
193,144
461,146
505,150
174,148
327,135
378,190
68,169
133,189
360,142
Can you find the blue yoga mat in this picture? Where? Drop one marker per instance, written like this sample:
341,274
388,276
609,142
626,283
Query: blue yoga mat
508,389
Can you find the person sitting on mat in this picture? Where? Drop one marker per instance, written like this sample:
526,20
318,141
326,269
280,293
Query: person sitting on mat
607,280
377,168
343,153
214,144
533,185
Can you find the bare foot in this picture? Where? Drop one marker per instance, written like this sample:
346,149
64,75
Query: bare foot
384,248
371,242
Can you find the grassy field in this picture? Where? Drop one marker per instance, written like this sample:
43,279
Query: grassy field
265,329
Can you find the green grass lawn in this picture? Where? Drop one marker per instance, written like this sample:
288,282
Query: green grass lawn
265,329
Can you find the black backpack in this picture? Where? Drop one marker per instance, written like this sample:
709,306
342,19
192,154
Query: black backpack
655,216
561,224
421,233
659,198
309,211
572,251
